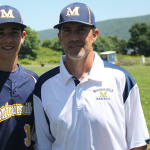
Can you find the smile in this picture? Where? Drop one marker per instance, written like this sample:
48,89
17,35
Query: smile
8,48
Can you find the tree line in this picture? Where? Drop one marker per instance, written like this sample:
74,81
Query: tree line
138,44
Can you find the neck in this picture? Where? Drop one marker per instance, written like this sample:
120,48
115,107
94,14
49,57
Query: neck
80,68
8,65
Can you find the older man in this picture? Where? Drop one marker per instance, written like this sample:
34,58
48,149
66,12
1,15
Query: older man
85,103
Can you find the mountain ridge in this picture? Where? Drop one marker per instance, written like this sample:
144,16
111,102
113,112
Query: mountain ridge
118,27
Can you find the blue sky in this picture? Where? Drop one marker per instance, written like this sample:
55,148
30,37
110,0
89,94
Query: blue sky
44,14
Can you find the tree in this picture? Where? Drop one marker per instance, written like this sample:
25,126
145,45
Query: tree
118,45
53,44
102,44
30,44
110,43
123,47
47,43
56,45
140,39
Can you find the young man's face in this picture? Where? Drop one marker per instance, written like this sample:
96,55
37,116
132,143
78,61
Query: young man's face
11,39
77,39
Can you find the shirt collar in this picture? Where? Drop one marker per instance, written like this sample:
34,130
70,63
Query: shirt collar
97,68
94,74
66,76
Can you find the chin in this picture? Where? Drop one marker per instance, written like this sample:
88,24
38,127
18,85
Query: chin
76,57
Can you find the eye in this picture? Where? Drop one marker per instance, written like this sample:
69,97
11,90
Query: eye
15,33
83,30
65,30
1,33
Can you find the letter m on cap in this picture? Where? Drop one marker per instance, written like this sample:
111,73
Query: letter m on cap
5,14
74,12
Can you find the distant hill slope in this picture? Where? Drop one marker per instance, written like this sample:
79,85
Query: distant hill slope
119,27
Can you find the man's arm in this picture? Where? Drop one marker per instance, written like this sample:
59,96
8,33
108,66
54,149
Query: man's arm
141,148
43,138
137,132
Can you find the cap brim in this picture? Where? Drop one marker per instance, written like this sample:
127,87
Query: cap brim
22,25
58,26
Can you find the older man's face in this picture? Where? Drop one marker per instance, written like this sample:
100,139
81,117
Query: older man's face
77,39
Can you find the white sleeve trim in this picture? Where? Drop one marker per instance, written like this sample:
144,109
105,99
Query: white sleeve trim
43,138
136,129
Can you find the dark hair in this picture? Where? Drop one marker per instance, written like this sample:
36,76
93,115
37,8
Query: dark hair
92,26
22,28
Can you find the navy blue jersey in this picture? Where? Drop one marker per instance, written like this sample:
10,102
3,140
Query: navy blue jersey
16,109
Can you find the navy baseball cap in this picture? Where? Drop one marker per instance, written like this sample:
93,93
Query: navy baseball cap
76,12
10,14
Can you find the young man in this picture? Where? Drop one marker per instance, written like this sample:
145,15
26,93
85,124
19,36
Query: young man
16,85
85,103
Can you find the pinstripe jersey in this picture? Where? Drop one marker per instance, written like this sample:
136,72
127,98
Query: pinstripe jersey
102,112
16,109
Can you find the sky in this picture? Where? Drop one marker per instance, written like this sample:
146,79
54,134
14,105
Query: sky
44,14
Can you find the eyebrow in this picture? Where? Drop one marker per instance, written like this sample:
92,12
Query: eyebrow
65,27
16,28
80,26
13,28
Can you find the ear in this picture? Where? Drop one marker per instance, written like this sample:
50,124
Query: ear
59,36
95,34
23,37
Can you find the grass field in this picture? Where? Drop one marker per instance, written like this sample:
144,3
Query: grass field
40,70
141,75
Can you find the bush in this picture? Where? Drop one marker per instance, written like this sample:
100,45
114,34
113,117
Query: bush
54,59
25,62
30,44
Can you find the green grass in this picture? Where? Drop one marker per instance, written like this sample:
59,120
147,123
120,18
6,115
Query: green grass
141,74
131,60
44,56
40,70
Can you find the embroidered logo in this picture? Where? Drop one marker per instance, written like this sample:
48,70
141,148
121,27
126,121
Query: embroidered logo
5,14
103,93
74,12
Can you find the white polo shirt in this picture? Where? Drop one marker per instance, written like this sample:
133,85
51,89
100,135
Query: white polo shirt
103,112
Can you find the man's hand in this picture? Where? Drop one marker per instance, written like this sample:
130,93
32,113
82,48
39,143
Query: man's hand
141,148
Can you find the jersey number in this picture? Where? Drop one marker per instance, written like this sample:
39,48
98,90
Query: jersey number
28,135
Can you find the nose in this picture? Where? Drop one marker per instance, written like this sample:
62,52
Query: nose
74,35
7,37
